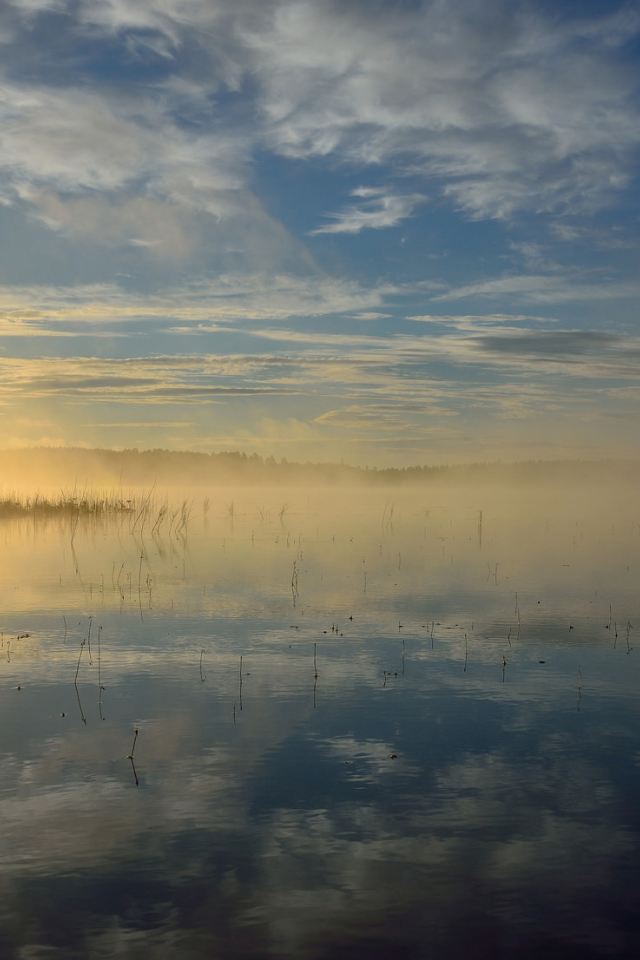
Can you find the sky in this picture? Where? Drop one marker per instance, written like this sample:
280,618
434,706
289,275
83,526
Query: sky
391,232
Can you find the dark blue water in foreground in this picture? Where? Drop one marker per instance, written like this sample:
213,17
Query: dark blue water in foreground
416,739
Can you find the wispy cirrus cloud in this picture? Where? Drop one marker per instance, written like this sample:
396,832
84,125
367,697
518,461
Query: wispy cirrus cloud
511,110
503,107
546,288
379,209
228,298
205,177
382,378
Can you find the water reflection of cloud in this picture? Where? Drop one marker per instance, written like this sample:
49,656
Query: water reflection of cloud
283,825
515,836
367,761
489,840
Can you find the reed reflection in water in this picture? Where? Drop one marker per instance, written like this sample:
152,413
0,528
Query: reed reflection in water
385,723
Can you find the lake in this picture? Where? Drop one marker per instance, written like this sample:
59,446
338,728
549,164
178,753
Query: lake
324,723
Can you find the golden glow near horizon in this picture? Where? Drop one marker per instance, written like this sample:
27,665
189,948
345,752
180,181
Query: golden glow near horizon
229,257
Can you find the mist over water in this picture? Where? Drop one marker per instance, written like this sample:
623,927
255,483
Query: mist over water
371,721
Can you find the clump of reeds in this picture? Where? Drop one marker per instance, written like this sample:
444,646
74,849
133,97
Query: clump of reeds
184,517
66,504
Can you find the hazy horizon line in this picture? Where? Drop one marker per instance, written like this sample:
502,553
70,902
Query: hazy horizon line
239,456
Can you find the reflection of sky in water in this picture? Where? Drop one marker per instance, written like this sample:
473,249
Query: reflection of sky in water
412,782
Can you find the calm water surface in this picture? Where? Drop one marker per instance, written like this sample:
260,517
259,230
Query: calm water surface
384,724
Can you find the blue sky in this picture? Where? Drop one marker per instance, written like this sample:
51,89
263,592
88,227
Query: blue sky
387,232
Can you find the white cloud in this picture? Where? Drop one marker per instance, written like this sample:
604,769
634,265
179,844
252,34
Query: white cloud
77,140
135,131
29,7
616,237
139,242
380,209
540,288
509,109
162,17
168,229
472,322
230,297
